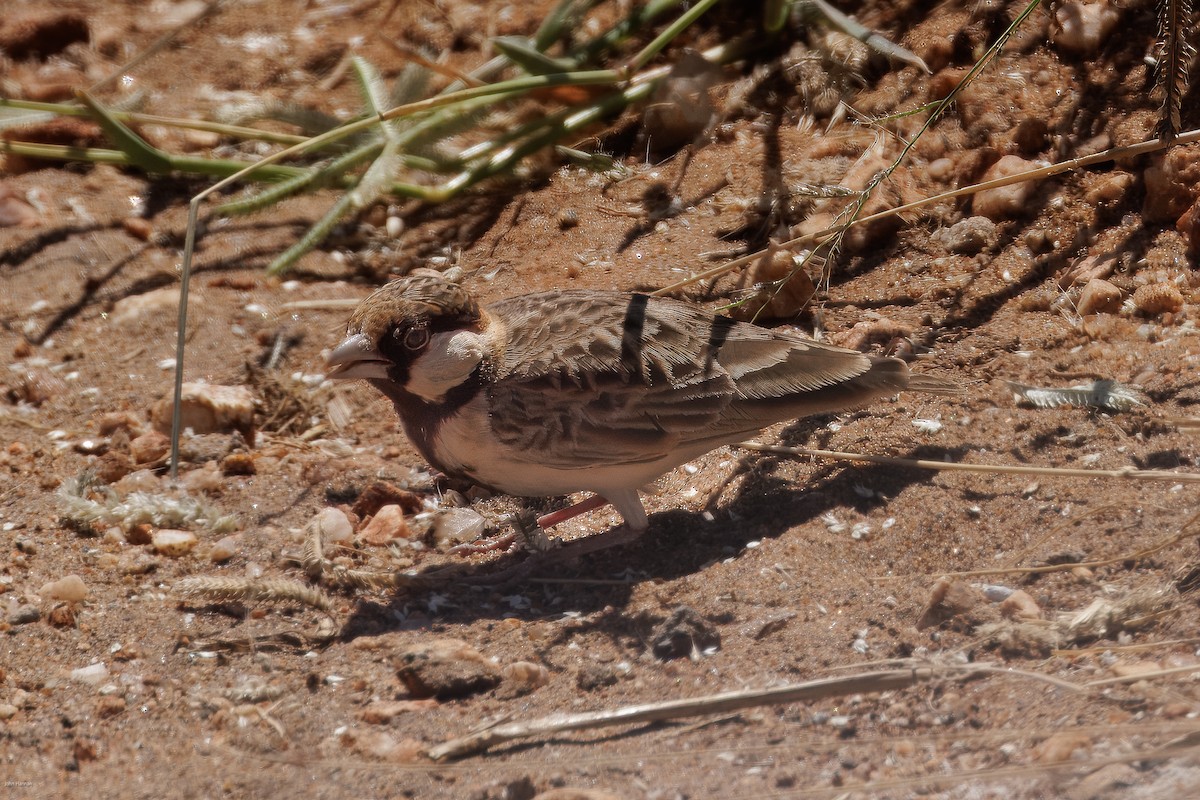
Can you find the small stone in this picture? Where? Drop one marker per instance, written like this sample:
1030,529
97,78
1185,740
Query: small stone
771,300
109,706
457,526
137,564
138,228
1106,783
1020,605
387,525
92,674
139,534
8,711
149,448
335,526
1158,298
139,309
69,589
1006,202
113,421
594,675
1171,183
445,669
1176,710
142,480
15,211
207,479
224,549
523,677
948,600
23,615
1108,189
382,493
238,463
1134,669
1060,747
210,408
1099,297
173,543
381,712
968,236
1083,27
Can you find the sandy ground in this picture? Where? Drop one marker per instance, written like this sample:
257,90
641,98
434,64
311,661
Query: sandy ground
769,570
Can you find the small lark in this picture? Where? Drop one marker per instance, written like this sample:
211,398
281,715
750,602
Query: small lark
565,391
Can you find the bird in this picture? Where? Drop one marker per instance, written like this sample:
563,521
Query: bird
563,391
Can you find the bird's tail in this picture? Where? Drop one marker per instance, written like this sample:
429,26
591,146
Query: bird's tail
919,382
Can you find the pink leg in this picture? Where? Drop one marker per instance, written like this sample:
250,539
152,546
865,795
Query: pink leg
547,521
505,541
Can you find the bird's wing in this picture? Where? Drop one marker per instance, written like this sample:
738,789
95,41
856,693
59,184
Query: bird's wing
606,379
614,379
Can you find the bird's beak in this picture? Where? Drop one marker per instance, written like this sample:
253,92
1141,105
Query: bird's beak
355,358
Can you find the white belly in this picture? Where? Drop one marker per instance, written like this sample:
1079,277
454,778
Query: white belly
466,445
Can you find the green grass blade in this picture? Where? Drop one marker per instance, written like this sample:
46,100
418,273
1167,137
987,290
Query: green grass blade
139,151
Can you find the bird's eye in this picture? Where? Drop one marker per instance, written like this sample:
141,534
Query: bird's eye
416,338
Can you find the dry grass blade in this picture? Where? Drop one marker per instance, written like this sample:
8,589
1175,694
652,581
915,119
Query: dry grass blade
1175,52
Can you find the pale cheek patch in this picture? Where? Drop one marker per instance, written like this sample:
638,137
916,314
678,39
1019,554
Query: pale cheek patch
448,360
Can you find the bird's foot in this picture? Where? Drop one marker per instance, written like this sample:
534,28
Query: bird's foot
560,554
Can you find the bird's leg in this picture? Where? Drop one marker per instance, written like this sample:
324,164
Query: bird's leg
626,501
531,530
547,521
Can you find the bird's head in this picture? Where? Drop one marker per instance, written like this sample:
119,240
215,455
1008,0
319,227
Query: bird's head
421,333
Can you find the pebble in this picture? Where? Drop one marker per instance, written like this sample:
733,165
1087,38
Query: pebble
92,674
139,309
1060,747
382,493
1083,27
23,615
1156,298
138,564
15,211
8,711
1107,783
949,599
387,525
1170,182
210,408
1108,189
771,301
522,677
968,236
69,588
173,543
109,706
149,447
224,549
335,526
381,712
138,228
1133,669
1006,202
445,669
1020,605
1098,297
207,479
456,526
